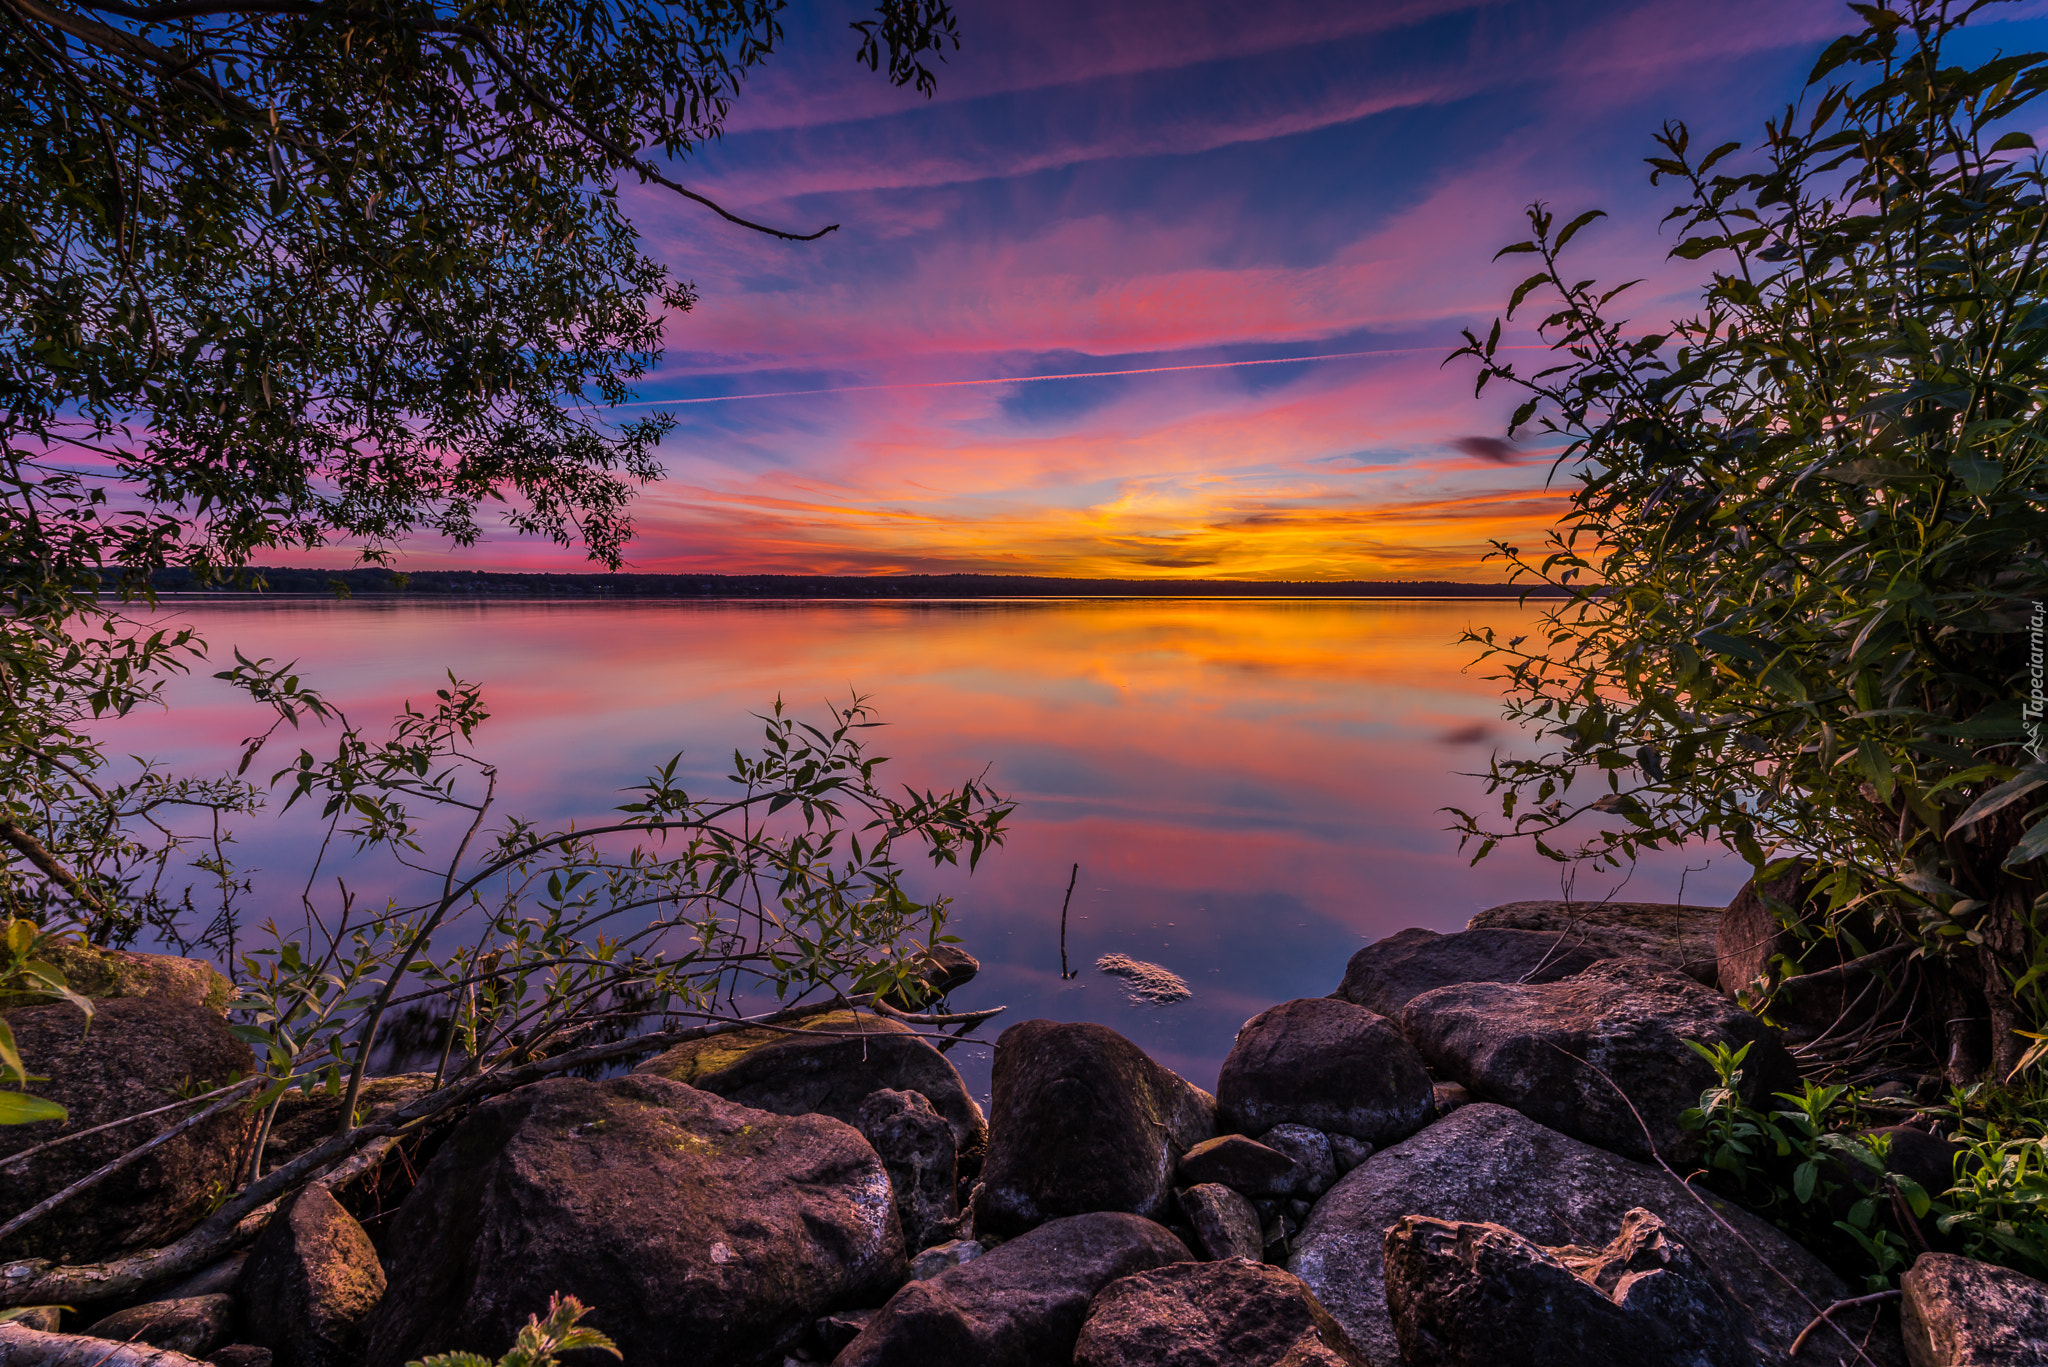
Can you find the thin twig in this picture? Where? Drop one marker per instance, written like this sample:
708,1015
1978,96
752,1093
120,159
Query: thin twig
1824,1316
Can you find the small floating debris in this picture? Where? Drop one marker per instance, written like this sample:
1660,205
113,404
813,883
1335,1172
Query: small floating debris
1151,985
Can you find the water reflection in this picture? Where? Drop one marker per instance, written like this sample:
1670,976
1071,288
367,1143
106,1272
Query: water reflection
1251,788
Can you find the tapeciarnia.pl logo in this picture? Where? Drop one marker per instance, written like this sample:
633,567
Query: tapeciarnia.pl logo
2036,703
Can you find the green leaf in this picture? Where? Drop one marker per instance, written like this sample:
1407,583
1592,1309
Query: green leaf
19,1108
1803,1180
2003,796
2013,142
1876,766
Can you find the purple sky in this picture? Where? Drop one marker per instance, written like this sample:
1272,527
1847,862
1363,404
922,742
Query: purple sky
1147,185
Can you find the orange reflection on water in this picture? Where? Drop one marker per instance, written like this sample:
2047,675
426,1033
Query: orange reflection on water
1252,788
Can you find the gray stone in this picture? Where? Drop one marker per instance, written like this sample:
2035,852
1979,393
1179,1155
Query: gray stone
1489,1163
1528,1046
939,1257
828,1066
1387,974
311,1284
1240,1163
1224,1222
140,1054
1216,1314
699,1230
1315,1165
193,1325
1083,1121
1676,936
1018,1305
242,1355
916,1145
1325,1064
1749,934
1471,1294
1348,1152
1958,1312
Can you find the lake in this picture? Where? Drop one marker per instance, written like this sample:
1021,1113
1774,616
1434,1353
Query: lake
1250,787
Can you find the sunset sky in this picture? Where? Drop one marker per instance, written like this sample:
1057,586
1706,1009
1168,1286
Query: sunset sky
1158,185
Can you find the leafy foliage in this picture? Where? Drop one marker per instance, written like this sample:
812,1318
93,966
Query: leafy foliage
1809,1169
23,971
1807,535
540,1343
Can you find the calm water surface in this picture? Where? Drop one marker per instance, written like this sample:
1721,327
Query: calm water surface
1251,788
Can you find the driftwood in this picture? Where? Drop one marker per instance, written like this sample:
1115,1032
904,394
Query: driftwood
37,1281
24,1347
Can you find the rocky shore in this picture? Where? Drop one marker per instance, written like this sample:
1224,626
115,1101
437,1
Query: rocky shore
1468,1155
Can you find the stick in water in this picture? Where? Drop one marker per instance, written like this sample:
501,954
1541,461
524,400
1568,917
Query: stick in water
1063,922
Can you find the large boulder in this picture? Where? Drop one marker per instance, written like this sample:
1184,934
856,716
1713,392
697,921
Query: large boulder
1387,974
140,1054
1473,1294
1959,1312
1676,936
915,1144
828,1065
1217,1314
116,974
311,1284
1543,1049
1493,1164
1326,1064
1083,1121
1018,1305
702,1233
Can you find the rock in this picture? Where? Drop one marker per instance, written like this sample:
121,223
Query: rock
1958,1312
702,1232
46,1318
1239,1163
311,1283
939,1257
828,1067
833,1332
1214,1314
193,1325
1445,1097
916,1145
1387,974
115,974
1490,1163
241,1355
1472,1294
1315,1166
1749,934
140,1053
1018,1305
1348,1152
1083,1121
1326,1064
1224,1222
1528,1046
1676,936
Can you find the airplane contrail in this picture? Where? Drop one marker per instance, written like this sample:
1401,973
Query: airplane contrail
1031,379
